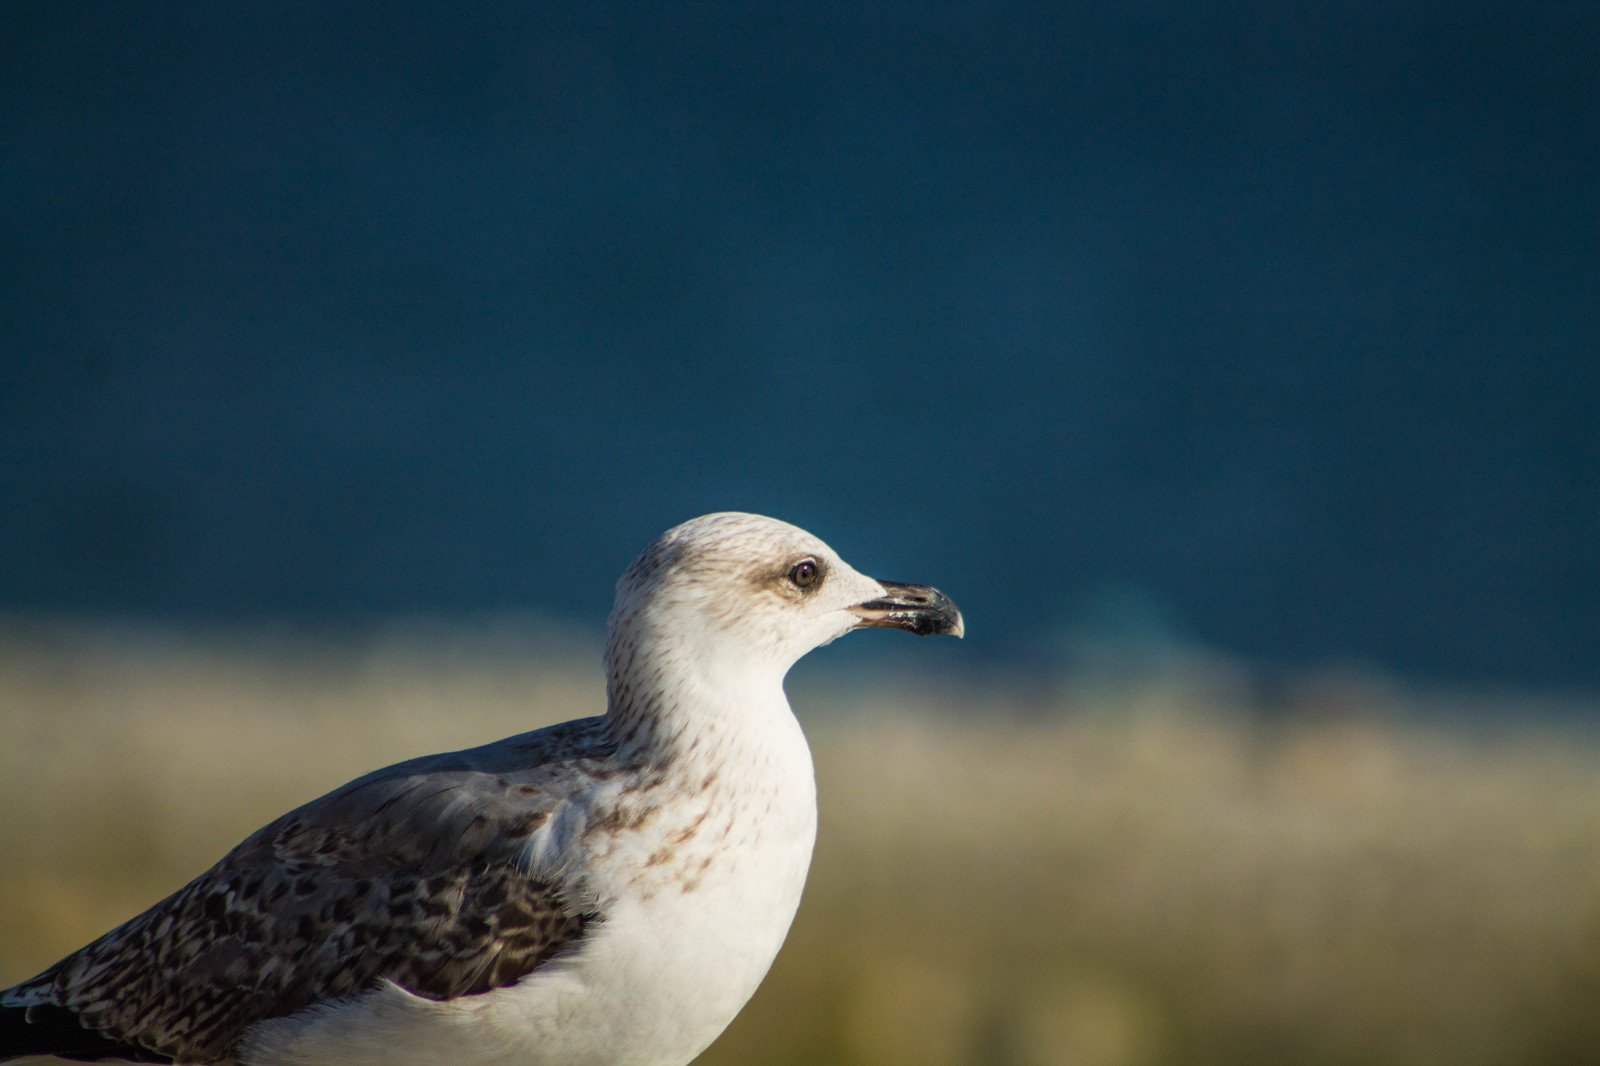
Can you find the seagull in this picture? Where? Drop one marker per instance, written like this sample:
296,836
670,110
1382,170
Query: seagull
604,892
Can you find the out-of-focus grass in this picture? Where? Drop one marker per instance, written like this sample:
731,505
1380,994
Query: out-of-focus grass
1140,876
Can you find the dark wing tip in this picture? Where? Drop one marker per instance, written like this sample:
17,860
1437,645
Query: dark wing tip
46,1029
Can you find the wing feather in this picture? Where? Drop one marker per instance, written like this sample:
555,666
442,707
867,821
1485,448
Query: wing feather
411,875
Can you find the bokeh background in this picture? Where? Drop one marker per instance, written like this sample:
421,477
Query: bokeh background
1236,367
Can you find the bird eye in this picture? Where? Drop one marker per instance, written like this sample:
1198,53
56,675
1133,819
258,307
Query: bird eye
805,573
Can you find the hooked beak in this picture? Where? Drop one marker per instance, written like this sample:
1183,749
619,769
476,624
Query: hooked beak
924,611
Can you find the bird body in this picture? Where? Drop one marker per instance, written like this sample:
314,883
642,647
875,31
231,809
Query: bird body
608,891
696,896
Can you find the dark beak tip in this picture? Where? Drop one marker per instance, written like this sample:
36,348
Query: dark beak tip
919,609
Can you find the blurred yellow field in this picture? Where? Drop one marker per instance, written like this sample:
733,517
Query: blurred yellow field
1141,874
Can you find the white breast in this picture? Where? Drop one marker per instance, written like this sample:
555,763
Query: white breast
695,903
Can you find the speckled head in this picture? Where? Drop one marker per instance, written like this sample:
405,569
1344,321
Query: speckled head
734,588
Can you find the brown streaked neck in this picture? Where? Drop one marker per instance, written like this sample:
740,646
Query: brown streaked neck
665,701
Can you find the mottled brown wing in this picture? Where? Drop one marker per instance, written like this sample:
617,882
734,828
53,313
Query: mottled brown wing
410,877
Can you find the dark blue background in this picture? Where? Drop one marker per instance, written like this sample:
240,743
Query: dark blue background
1275,326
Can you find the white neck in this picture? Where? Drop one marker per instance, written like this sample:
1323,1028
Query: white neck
664,702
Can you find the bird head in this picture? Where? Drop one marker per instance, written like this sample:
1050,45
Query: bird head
747,592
